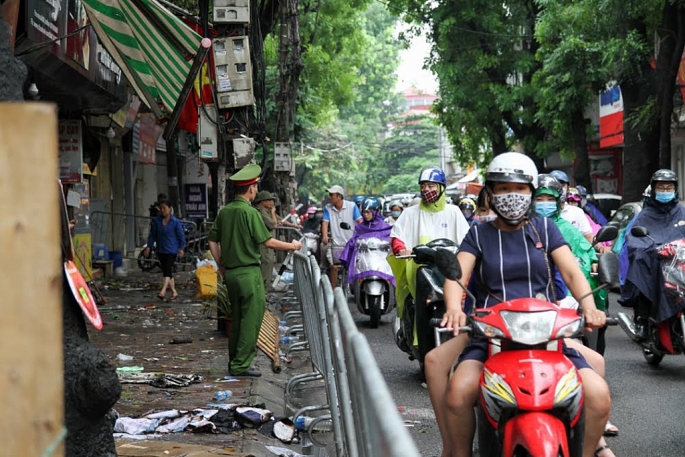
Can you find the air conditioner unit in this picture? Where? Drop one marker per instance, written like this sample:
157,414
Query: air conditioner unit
233,71
232,11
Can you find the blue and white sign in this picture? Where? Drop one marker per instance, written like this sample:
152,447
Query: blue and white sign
196,201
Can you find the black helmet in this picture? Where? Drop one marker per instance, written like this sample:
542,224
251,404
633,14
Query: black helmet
549,183
664,175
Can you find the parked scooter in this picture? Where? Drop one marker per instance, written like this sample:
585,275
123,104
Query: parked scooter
426,305
531,398
374,292
667,336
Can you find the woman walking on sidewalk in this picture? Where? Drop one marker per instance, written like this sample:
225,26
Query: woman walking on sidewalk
167,232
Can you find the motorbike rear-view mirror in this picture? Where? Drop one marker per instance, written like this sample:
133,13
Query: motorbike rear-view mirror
639,231
607,269
606,233
423,254
345,226
447,264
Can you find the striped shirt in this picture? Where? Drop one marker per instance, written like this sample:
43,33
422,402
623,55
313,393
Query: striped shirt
510,264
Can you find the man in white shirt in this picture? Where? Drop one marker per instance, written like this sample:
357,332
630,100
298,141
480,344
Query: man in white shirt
337,211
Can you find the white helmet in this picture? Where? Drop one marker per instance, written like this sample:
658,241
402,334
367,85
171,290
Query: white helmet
512,167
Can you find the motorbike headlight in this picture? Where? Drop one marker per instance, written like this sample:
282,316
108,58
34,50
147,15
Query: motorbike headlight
567,331
488,330
530,328
497,395
568,393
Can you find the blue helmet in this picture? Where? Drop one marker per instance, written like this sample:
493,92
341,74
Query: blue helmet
582,191
433,174
371,204
560,176
358,200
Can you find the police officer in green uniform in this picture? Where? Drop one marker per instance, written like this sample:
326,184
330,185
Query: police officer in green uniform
234,240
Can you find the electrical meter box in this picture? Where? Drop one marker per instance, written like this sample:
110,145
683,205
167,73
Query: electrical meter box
207,133
233,71
231,11
243,152
282,157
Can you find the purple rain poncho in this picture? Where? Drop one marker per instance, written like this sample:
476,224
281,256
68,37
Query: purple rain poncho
365,253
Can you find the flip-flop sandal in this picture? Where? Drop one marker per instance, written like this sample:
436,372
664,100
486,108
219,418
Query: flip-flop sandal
173,297
160,296
600,449
610,429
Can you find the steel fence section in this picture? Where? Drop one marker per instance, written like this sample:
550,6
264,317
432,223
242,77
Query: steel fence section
287,234
385,434
330,376
340,370
305,292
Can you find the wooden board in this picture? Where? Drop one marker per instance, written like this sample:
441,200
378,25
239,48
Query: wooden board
31,379
268,340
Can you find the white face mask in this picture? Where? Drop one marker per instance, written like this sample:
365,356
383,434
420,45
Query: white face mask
512,205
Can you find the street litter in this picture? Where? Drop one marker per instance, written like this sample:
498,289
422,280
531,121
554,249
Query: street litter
174,421
128,436
125,371
282,451
162,380
256,416
284,430
124,358
180,340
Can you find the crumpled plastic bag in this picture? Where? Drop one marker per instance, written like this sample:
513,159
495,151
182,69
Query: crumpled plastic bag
135,426
206,279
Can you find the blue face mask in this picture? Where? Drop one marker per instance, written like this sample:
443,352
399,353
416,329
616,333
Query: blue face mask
545,209
396,214
664,197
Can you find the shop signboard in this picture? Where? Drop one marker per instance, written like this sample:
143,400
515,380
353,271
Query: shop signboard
611,117
145,138
70,151
63,26
10,12
196,201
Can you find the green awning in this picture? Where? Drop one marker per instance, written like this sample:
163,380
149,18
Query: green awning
152,46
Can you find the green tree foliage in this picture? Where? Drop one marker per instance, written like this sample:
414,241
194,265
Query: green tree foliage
411,146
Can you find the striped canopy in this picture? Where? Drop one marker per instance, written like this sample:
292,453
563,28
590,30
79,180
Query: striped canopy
152,46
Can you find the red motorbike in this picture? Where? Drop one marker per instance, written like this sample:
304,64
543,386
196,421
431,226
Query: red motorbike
667,336
531,399
531,395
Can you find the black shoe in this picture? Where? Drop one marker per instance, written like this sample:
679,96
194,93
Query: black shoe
252,372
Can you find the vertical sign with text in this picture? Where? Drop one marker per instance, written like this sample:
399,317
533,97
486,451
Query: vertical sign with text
196,201
70,151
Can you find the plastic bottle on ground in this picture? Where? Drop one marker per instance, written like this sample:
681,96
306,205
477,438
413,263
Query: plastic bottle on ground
289,339
223,395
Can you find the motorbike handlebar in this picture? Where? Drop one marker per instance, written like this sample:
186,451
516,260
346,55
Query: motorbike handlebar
435,322
612,321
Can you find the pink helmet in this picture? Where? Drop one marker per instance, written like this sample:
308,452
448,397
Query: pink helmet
311,210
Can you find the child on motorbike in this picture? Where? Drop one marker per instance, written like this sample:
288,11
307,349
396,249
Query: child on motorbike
509,259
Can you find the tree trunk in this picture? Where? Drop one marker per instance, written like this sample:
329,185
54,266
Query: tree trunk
639,159
672,35
581,173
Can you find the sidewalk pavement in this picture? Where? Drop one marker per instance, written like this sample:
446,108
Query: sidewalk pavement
139,325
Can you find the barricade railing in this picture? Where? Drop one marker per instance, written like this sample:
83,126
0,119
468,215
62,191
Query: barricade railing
362,412
287,234
305,293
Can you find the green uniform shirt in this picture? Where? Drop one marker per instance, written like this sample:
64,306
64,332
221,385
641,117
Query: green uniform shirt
240,230
270,223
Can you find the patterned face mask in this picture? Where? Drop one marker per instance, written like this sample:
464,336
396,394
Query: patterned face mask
511,206
430,196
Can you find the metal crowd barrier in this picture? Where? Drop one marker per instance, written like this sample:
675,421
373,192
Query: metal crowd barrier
363,414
